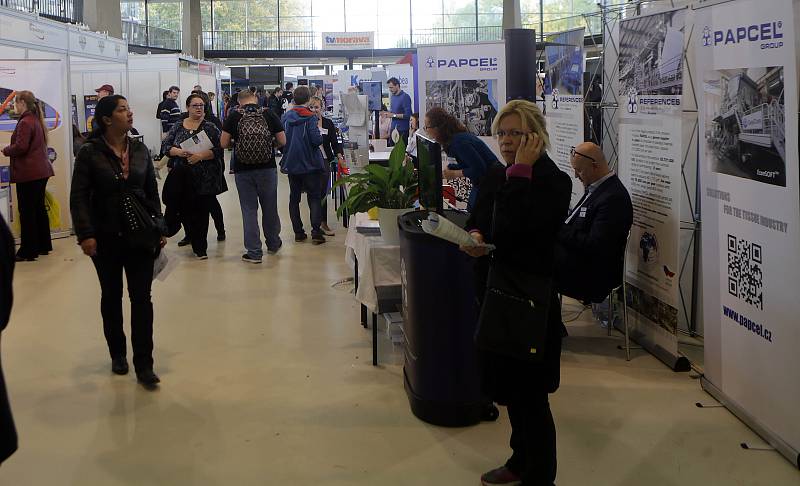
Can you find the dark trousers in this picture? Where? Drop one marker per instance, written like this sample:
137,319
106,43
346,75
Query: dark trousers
216,214
196,223
533,440
403,136
8,432
113,256
325,186
308,183
34,225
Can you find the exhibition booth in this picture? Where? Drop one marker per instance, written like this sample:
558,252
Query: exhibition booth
62,65
152,74
696,112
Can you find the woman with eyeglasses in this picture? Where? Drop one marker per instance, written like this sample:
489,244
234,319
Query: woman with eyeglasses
203,167
473,157
520,210
109,164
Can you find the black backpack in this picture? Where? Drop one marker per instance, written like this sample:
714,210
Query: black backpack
255,142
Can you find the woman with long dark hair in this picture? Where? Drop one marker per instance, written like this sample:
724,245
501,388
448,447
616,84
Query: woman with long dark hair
30,169
109,165
520,209
473,157
204,167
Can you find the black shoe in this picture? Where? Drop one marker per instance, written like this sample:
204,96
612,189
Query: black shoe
318,240
221,236
119,365
147,379
22,258
250,259
298,237
272,251
185,242
44,252
201,256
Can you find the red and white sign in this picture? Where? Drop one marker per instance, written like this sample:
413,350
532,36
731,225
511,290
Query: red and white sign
338,41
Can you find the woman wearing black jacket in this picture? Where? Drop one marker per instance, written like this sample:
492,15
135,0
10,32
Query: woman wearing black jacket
206,169
104,161
520,209
333,154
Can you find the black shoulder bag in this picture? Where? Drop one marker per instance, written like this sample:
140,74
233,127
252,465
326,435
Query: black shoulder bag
141,228
516,306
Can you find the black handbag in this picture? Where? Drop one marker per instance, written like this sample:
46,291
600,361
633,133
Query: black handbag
141,228
514,315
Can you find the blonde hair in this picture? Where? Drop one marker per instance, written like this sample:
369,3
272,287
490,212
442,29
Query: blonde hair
318,99
32,104
531,116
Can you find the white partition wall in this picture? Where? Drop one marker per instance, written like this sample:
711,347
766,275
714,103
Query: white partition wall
150,75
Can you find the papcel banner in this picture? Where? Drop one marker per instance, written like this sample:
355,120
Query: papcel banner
746,83
339,41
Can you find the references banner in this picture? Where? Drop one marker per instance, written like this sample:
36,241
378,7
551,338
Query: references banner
42,78
468,81
747,77
650,146
563,91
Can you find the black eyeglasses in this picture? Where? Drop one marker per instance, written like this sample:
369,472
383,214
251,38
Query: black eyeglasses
573,152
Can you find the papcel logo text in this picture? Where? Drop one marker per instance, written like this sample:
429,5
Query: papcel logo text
767,35
482,63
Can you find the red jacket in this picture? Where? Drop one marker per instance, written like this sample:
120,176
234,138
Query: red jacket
28,151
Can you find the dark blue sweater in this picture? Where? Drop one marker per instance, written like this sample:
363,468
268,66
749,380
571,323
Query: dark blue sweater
474,158
401,104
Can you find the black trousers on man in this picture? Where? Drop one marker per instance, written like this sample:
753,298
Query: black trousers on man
113,257
34,225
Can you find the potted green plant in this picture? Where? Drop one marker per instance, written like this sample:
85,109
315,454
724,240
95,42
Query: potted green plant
392,189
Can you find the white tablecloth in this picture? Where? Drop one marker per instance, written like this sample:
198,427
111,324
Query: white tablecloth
378,263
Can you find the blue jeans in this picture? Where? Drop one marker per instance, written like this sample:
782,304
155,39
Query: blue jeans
308,183
254,187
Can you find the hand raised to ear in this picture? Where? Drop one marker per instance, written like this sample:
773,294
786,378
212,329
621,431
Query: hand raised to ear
529,150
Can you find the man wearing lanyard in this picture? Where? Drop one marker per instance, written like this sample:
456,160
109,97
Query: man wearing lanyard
400,111
591,245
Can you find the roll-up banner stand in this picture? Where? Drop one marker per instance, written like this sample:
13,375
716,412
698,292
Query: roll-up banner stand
563,90
747,75
650,143
405,74
469,81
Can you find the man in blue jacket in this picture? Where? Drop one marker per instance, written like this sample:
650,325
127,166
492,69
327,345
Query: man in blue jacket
302,161
400,111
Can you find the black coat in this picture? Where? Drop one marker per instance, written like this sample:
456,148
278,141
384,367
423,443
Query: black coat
528,217
591,248
330,141
95,194
8,433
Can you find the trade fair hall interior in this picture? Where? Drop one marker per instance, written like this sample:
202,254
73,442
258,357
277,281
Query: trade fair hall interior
399,242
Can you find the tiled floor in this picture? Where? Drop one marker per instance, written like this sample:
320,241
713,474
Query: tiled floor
267,380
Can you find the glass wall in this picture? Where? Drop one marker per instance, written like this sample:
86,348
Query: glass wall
298,24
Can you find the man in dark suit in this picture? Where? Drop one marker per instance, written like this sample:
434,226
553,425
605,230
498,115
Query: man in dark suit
591,245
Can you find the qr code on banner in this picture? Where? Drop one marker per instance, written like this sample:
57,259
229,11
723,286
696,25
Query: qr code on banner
745,276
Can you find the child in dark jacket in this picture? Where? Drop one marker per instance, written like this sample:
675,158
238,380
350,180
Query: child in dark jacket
302,161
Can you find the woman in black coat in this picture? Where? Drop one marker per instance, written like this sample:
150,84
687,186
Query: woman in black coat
206,168
333,155
108,163
520,209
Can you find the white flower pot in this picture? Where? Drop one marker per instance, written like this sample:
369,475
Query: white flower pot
387,218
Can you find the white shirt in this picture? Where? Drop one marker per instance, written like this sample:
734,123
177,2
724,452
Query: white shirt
590,189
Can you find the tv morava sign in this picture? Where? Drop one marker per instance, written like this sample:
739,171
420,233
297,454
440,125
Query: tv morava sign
348,40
